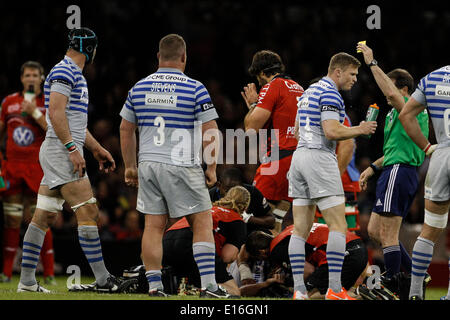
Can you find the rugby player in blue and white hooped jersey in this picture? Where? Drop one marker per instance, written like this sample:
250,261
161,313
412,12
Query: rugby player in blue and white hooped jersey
61,158
314,177
433,93
165,107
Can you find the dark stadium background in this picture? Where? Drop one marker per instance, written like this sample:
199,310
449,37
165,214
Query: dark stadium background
221,37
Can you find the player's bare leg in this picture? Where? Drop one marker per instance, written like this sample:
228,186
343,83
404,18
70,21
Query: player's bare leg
201,224
152,251
335,218
436,217
373,228
78,194
303,219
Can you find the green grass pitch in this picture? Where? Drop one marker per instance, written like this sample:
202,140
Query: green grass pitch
60,292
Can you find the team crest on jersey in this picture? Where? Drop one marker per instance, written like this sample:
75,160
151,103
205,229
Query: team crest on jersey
84,96
23,136
390,115
446,78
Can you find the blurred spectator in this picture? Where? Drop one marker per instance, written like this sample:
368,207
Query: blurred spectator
104,230
131,229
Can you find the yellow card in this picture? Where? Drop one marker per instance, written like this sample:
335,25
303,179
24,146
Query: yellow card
363,42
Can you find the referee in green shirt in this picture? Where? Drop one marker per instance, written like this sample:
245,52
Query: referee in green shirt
398,182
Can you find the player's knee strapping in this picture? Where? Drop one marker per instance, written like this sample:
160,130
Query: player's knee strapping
51,204
13,209
436,220
90,201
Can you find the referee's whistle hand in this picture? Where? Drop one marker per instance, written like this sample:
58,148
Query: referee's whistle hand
365,175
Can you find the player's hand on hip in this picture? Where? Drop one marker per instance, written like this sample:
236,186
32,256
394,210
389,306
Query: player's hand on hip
366,51
364,177
211,178
131,177
105,160
79,164
368,127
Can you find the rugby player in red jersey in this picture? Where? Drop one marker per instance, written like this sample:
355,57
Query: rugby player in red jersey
23,119
274,108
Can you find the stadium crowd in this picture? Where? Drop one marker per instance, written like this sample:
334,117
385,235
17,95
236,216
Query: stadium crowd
219,54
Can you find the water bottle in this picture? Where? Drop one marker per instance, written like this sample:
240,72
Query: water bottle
372,114
3,185
29,96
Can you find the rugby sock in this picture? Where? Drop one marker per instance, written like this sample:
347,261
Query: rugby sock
32,244
421,259
47,254
204,256
406,263
335,258
296,251
154,280
92,248
392,260
11,239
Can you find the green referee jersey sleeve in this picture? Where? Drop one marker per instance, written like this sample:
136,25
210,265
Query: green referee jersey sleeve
398,146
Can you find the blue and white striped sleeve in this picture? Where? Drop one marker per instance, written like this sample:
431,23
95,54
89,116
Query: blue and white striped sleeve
62,80
204,108
128,113
419,94
331,105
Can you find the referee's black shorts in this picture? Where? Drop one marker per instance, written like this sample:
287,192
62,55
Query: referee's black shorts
177,253
354,264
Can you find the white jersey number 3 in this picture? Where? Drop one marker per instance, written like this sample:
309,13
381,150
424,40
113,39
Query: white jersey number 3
159,140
